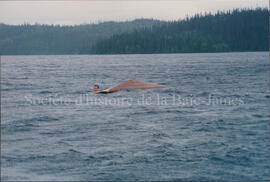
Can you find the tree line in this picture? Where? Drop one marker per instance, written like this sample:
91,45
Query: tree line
27,39
236,30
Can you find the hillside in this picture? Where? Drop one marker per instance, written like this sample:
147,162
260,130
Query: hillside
55,39
237,30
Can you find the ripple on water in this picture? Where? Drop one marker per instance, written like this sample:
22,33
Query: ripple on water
136,142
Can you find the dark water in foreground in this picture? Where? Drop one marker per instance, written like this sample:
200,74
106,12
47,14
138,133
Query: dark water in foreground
211,122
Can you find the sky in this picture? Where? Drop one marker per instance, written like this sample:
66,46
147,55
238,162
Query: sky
68,12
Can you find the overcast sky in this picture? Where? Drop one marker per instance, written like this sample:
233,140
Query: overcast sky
92,11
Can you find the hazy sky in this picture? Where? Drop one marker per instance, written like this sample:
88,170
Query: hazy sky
89,11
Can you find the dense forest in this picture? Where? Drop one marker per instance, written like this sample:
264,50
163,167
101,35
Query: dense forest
237,30
29,39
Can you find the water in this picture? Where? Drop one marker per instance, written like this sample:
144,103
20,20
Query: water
211,122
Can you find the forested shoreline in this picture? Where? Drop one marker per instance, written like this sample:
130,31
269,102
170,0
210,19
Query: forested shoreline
224,31
37,39
237,30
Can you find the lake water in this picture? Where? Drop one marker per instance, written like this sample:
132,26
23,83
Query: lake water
211,122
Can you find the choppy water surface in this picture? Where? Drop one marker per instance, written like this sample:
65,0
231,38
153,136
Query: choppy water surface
211,122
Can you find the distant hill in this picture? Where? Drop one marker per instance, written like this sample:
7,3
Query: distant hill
54,39
237,30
